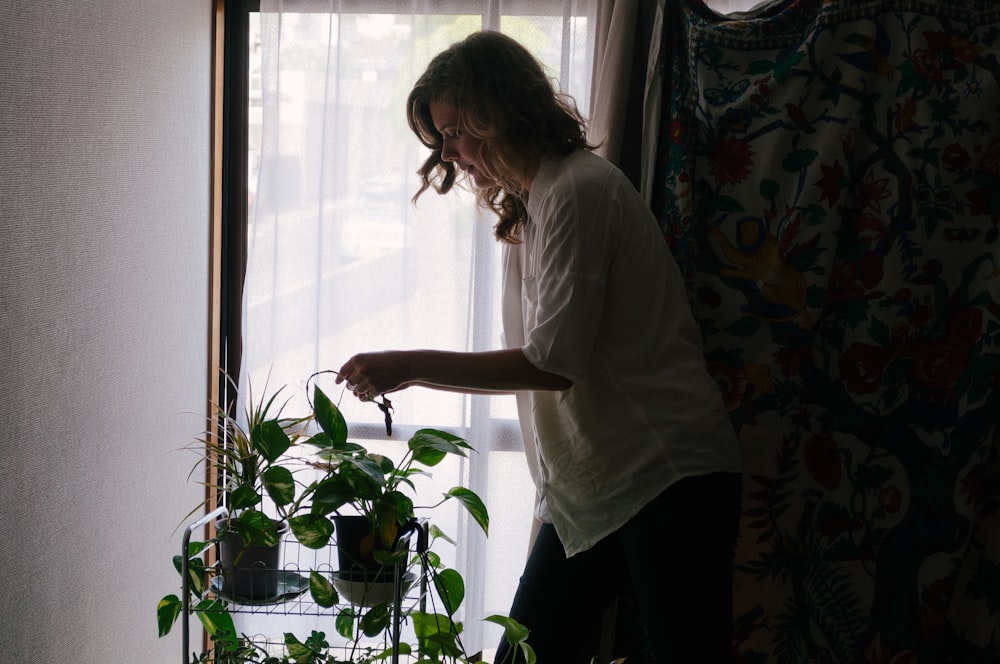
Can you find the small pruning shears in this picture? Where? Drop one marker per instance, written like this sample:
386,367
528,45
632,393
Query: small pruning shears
386,407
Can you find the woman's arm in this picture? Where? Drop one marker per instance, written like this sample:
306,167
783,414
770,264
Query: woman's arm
497,371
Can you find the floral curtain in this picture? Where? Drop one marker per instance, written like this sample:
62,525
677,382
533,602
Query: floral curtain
829,180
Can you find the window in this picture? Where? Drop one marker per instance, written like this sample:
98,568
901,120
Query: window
338,259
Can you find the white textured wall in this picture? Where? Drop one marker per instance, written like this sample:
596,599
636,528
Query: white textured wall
104,213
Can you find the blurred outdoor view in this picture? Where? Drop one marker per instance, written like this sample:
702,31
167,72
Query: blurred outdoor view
341,261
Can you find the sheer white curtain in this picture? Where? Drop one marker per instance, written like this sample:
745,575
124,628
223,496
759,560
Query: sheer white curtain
341,262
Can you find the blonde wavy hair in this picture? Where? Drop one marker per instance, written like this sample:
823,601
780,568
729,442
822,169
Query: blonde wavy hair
505,99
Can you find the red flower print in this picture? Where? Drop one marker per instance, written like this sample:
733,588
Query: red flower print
936,600
966,326
951,46
890,498
974,486
846,282
759,376
990,161
849,141
832,182
676,131
730,160
795,114
963,49
873,192
870,270
862,367
869,227
834,525
732,381
823,461
921,315
926,65
979,199
939,364
877,652
790,361
955,157
906,114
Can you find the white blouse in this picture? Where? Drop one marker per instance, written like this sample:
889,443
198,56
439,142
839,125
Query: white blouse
592,293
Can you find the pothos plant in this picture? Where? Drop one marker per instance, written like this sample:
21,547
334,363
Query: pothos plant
374,486
249,462
350,479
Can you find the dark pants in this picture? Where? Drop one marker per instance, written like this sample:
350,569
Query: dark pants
675,558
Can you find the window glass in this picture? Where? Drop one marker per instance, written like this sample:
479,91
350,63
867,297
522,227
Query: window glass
341,261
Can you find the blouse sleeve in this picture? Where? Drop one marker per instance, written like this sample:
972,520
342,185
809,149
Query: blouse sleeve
568,262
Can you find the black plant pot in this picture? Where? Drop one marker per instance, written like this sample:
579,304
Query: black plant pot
356,544
250,572
354,535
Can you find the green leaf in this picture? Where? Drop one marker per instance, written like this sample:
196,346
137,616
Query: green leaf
783,68
196,574
513,630
385,521
345,623
312,530
317,642
941,110
278,483
194,548
390,559
769,189
322,591
798,160
376,620
474,504
430,446
436,634
331,493
244,496
214,617
720,203
516,634
270,439
298,651
167,612
255,527
365,475
338,453
433,558
395,506
329,417
451,589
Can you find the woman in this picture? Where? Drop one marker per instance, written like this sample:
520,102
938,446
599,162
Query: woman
636,465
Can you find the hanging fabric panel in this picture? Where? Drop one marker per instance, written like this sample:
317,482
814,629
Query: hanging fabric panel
829,180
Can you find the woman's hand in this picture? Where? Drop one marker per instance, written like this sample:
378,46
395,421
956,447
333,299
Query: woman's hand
369,375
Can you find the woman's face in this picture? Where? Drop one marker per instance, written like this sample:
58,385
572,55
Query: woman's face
457,147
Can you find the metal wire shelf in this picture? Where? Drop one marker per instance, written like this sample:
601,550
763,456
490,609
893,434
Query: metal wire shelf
293,598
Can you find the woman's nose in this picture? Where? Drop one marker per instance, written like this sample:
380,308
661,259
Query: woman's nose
448,153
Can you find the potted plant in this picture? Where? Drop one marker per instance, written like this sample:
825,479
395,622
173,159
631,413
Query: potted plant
374,490
246,461
379,494
248,465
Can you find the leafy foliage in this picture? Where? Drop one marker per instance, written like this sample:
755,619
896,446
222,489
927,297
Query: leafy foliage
251,462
